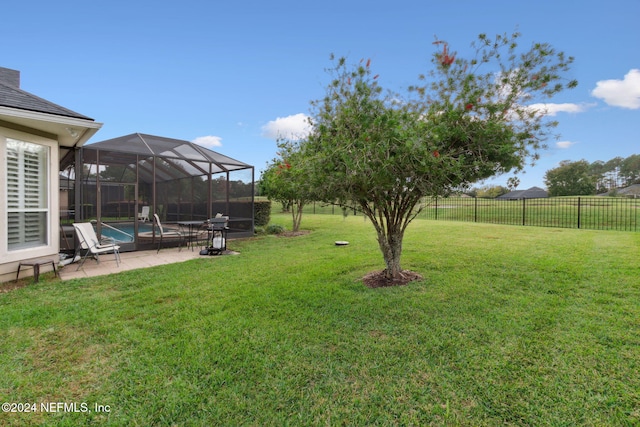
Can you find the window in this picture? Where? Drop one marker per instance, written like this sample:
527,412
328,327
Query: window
27,194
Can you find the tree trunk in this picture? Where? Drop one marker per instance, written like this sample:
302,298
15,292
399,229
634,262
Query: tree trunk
390,219
391,247
296,213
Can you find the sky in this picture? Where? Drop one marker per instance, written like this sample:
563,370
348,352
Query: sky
233,76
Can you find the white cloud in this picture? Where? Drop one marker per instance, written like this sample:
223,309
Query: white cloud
553,109
565,144
208,141
620,93
291,127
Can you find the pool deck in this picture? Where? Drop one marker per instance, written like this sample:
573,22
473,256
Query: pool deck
129,261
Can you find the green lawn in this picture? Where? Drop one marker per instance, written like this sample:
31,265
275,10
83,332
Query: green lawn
510,326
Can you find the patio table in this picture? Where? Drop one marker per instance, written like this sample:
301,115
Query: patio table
190,225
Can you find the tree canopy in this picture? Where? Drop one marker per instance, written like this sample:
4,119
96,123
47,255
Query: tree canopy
285,180
583,178
570,179
466,120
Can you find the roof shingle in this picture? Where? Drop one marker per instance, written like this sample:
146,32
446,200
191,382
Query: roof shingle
13,97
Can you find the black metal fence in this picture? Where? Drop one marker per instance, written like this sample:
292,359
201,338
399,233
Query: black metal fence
594,213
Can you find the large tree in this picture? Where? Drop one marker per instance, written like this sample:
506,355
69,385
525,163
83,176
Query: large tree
466,120
285,180
630,169
612,172
570,179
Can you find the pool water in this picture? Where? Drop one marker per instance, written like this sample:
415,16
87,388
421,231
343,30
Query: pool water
126,233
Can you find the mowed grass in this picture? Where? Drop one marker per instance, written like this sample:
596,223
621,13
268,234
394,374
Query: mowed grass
510,326
585,212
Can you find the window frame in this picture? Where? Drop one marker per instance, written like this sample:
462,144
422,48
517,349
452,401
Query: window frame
28,207
52,219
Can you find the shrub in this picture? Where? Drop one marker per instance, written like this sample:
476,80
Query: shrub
275,229
262,212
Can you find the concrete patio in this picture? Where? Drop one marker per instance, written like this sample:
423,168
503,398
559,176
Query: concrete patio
129,261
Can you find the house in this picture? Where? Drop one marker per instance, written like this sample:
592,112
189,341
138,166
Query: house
632,191
35,135
531,193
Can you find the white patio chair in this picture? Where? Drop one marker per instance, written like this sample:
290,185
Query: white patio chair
144,214
167,233
90,243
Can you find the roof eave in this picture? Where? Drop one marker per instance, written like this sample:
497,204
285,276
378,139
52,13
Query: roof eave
69,131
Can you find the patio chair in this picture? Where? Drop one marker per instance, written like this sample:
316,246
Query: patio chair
90,243
144,214
167,233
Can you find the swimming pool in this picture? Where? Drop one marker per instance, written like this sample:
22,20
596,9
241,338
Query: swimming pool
123,232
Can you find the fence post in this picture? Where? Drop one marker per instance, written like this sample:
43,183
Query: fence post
524,211
436,208
578,212
475,209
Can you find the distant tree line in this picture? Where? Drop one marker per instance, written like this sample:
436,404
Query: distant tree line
487,191
575,178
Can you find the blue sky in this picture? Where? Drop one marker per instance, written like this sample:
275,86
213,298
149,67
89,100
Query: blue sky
232,75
